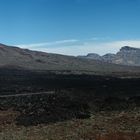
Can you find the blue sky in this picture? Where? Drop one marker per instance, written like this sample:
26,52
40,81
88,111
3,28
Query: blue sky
70,27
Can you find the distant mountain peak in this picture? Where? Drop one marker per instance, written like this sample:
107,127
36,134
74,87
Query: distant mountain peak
14,56
126,56
18,58
93,55
128,48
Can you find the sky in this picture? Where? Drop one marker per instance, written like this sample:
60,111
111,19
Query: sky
71,27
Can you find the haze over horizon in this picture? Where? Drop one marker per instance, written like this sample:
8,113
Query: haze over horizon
71,27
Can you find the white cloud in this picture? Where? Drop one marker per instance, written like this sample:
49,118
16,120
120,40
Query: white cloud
75,47
44,44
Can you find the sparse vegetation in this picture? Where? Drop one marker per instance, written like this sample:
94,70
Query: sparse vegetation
101,126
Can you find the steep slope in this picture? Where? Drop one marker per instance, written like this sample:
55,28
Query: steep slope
34,60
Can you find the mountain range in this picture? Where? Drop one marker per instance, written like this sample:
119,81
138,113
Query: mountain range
15,57
126,56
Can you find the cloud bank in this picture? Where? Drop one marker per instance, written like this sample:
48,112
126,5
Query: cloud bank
76,47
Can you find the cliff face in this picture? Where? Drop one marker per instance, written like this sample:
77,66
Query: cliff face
126,56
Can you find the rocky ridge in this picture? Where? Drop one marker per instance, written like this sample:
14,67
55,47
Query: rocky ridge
126,56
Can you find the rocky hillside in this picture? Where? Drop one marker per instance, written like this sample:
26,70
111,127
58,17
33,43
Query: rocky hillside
126,56
15,57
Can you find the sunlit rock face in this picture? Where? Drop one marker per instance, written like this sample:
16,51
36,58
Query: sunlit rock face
128,56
